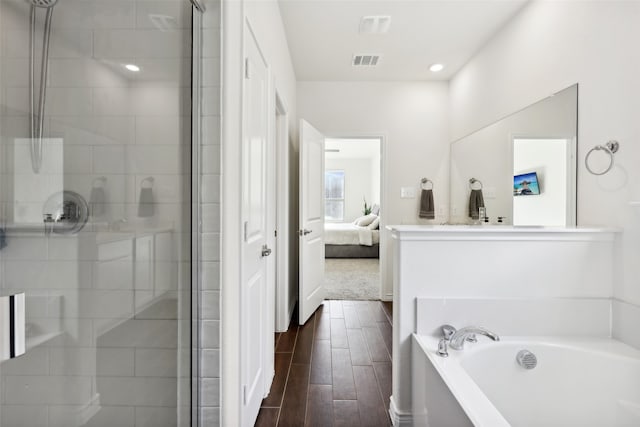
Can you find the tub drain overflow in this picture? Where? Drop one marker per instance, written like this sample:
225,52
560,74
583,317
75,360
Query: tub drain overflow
526,359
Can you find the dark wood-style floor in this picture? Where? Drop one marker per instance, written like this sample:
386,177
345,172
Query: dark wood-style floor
333,371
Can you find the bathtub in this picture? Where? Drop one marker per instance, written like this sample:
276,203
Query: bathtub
581,382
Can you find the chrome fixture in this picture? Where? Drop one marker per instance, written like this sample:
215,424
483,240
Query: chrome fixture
473,181
65,212
526,359
442,348
447,333
36,119
461,335
611,147
424,184
266,251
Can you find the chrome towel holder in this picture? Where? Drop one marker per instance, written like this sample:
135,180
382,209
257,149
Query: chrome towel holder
424,182
475,181
611,147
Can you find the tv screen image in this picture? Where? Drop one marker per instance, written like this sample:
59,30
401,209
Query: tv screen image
526,184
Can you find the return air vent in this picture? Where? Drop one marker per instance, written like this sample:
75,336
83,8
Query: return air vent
375,24
365,60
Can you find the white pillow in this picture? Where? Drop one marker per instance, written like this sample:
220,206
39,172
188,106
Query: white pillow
375,224
363,221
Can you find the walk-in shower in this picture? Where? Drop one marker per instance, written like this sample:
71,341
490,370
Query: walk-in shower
107,283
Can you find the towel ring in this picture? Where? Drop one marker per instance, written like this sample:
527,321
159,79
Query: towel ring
424,182
475,181
148,180
611,147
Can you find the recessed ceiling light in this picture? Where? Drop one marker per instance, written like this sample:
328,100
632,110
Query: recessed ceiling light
436,67
132,67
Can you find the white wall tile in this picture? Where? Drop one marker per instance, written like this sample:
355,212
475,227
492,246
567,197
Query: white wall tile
24,415
210,392
210,189
109,159
210,363
114,14
210,217
210,305
39,390
210,334
210,275
138,391
156,417
211,159
108,416
160,130
156,362
115,361
210,247
626,318
71,44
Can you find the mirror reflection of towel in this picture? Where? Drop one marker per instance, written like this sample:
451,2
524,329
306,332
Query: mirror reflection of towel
427,208
476,201
146,203
3,239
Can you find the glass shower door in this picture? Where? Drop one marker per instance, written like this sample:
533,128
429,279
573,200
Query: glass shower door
95,152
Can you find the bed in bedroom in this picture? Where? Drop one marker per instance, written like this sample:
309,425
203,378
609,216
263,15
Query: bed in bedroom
347,240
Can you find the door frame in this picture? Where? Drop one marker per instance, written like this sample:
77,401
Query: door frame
283,304
386,283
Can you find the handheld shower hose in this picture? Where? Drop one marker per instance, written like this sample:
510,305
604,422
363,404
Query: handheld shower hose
36,121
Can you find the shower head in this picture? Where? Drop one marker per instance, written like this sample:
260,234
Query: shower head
43,3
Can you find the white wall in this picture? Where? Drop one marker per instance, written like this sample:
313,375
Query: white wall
549,46
412,118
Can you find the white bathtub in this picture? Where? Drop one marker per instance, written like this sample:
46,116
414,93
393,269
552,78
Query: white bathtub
577,383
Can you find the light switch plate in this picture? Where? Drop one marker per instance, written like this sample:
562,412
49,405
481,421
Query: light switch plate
408,192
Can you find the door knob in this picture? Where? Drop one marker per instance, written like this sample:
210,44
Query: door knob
304,232
265,251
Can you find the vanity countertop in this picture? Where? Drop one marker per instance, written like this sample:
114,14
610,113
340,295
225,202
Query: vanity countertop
457,232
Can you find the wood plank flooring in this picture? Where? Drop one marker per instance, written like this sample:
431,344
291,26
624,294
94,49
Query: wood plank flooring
335,370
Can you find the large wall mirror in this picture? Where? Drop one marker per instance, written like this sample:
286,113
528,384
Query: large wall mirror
525,165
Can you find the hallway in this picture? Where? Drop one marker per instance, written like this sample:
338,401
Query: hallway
333,371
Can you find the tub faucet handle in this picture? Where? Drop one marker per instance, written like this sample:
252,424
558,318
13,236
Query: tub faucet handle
448,331
442,348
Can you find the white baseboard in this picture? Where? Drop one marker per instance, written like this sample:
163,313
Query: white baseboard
399,419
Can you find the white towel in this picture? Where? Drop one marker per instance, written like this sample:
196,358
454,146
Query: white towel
366,236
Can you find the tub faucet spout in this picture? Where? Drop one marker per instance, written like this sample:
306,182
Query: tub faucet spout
460,336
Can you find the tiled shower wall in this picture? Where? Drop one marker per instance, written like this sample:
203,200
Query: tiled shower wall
210,224
121,127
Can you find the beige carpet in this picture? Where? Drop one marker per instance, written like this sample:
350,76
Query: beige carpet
352,278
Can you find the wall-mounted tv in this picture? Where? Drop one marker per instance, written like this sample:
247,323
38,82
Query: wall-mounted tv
526,184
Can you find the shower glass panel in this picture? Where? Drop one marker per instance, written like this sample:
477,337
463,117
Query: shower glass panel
95,126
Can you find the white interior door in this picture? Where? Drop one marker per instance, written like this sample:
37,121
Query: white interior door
311,285
254,325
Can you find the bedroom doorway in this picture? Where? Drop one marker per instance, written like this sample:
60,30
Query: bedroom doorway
352,218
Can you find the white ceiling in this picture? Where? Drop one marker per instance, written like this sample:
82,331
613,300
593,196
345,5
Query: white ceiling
323,36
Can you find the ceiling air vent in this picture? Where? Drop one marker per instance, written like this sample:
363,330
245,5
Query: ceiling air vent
365,60
375,24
